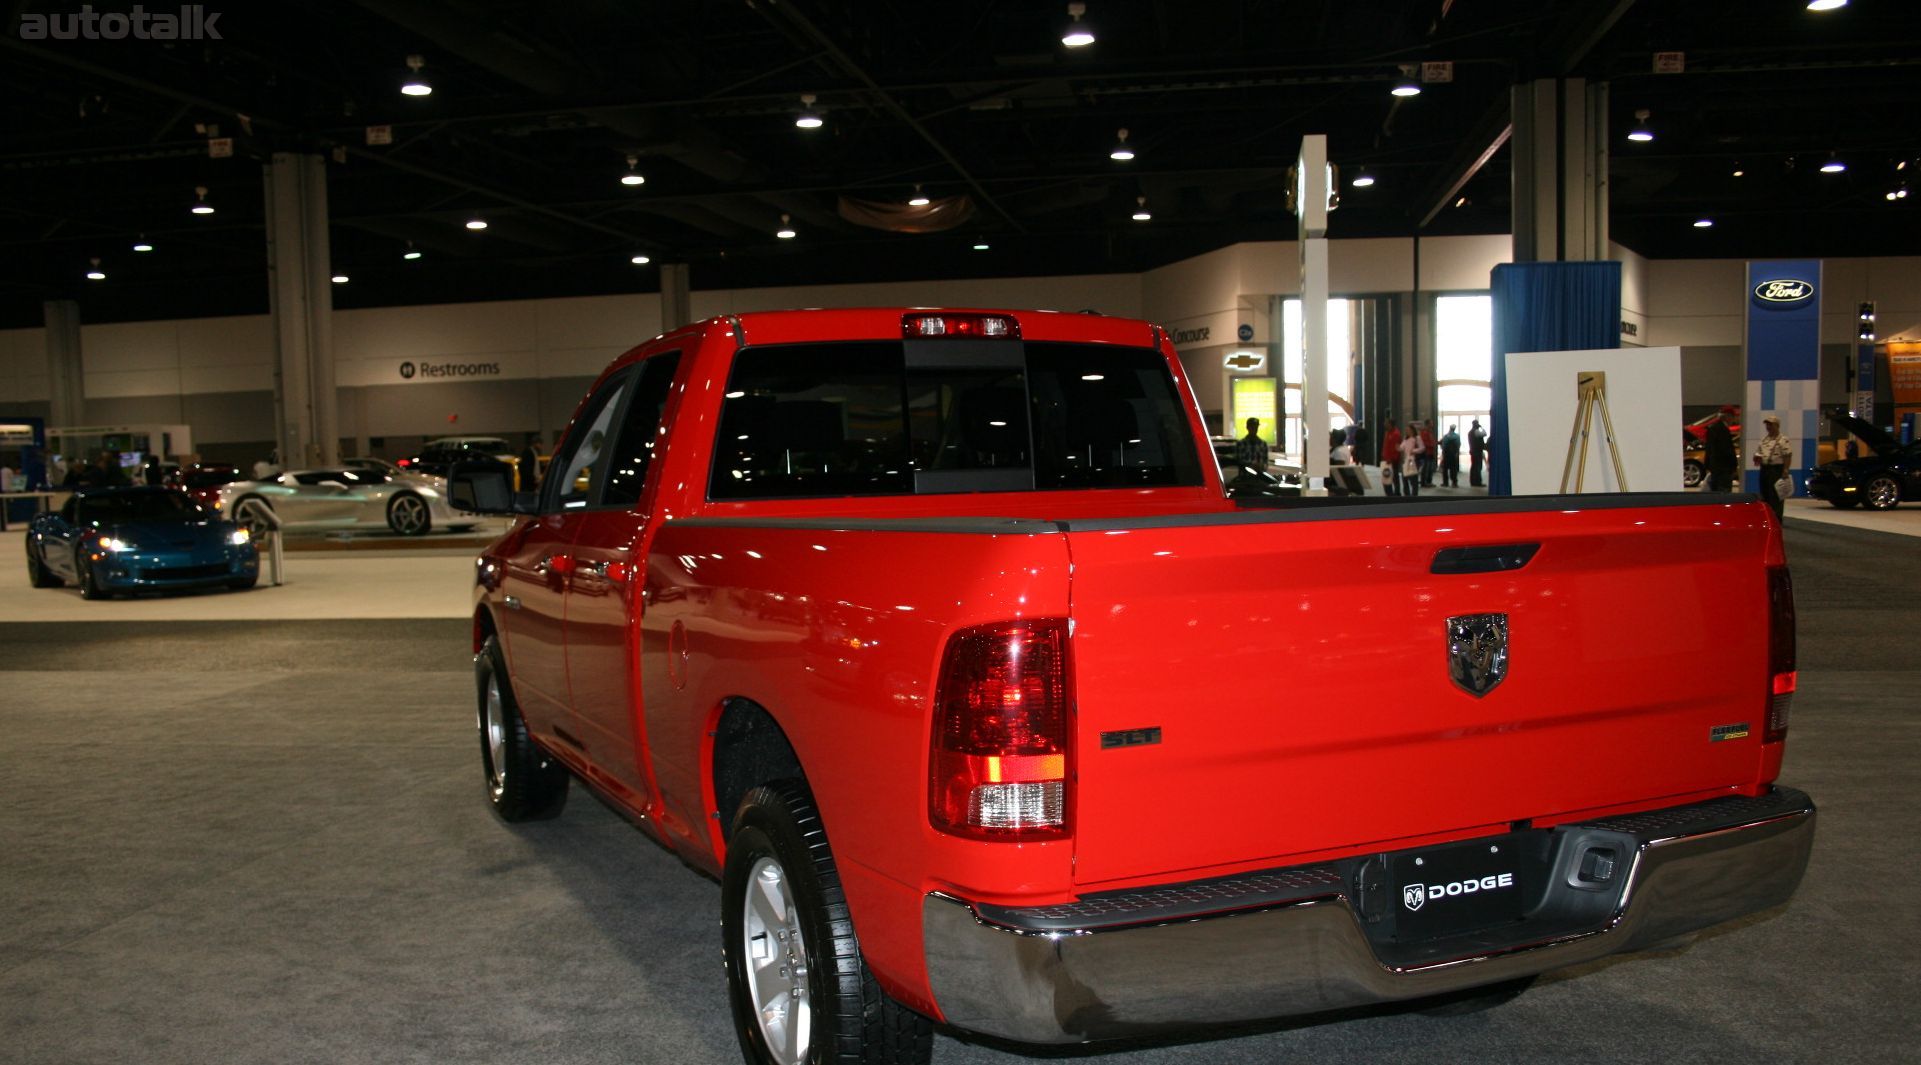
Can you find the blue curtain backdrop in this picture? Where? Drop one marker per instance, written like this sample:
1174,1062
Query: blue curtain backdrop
1546,307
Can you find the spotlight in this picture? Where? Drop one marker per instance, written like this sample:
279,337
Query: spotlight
632,177
416,83
919,199
411,253
1363,179
96,274
981,247
142,245
476,224
1865,317
808,118
1834,165
1704,223
1078,33
1141,213
786,231
1641,134
200,204
1738,171
1121,153
1826,5
339,279
640,260
1406,86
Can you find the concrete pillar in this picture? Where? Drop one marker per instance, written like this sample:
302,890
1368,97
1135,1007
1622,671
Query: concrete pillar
299,273
1311,194
66,388
676,296
1560,158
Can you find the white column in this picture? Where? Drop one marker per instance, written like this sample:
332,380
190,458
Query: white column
299,273
1311,200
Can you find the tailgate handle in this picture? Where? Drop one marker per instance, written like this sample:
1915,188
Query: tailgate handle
1493,559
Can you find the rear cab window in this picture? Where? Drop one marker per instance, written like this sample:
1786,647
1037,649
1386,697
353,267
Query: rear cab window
921,417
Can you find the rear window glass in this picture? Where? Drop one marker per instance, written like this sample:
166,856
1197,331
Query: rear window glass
898,418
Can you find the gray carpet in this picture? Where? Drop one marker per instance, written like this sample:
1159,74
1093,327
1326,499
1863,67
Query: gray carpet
267,843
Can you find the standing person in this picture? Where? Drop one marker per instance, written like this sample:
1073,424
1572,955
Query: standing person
1391,459
530,465
1250,451
1476,452
1772,454
106,470
1427,454
1451,457
1722,456
1410,468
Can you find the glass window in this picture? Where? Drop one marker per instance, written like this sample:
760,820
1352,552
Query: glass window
873,418
640,431
579,460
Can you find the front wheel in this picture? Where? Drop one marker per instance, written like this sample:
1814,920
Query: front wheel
89,581
1882,493
1693,472
407,515
523,782
801,993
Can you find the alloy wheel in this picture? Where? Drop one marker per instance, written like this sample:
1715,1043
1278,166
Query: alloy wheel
409,515
775,959
493,725
1883,493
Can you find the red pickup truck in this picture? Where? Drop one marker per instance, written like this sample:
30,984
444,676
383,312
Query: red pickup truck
931,634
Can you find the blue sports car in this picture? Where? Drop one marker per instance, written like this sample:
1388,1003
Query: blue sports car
110,540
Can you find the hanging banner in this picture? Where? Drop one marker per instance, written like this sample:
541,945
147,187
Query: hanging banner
1783,360
1904,376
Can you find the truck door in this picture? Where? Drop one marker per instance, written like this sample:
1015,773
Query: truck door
539,559
604,592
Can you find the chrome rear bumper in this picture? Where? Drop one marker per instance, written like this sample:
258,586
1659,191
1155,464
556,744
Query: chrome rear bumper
997,973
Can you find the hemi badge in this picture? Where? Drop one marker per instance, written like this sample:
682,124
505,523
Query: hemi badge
1133,737
1728,732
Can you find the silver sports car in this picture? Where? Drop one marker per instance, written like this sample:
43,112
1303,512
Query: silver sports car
339,498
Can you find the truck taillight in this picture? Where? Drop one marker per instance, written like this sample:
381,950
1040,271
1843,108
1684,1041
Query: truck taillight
947,324
1781,673
1000,744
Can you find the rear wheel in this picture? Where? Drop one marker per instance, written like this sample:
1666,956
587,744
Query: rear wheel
253,514
523,782
1882,493
407,515
1693,472
37,570
801,992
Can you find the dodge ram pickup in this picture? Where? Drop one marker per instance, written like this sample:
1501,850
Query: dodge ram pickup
932,635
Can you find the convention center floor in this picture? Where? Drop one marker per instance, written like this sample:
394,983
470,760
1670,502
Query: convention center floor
250,828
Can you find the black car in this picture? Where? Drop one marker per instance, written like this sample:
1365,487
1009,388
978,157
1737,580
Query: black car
1879,481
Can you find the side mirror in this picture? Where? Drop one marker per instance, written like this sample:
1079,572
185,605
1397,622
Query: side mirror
486,488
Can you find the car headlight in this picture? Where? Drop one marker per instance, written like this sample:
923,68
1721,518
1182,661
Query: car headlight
114,543
239,537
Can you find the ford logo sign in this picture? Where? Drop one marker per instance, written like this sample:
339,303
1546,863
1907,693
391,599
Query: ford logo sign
1783,291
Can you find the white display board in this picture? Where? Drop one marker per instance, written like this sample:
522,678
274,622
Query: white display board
1643,398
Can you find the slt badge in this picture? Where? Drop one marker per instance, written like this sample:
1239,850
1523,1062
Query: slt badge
1477,651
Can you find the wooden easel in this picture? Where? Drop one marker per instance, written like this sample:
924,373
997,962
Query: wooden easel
1592,386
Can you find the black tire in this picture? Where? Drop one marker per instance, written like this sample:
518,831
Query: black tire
407,515
523,782
37,570
1476,999
779,846
89,584
1694,473
1846,503
1881,493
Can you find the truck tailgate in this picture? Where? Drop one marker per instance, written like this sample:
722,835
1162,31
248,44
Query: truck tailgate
1296,664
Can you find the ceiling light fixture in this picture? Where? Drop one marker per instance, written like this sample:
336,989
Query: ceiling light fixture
1406,86
981,247
786,230
1078,33
1738,171
808,118
339,279
142,245
200,204
1641,134
640,260
411,253
1122,152
416,83
476,224
918,199
1826,5
1462,202
1899,192
1834,165
1704,223
632,177
1363,179
96,274
1141,213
